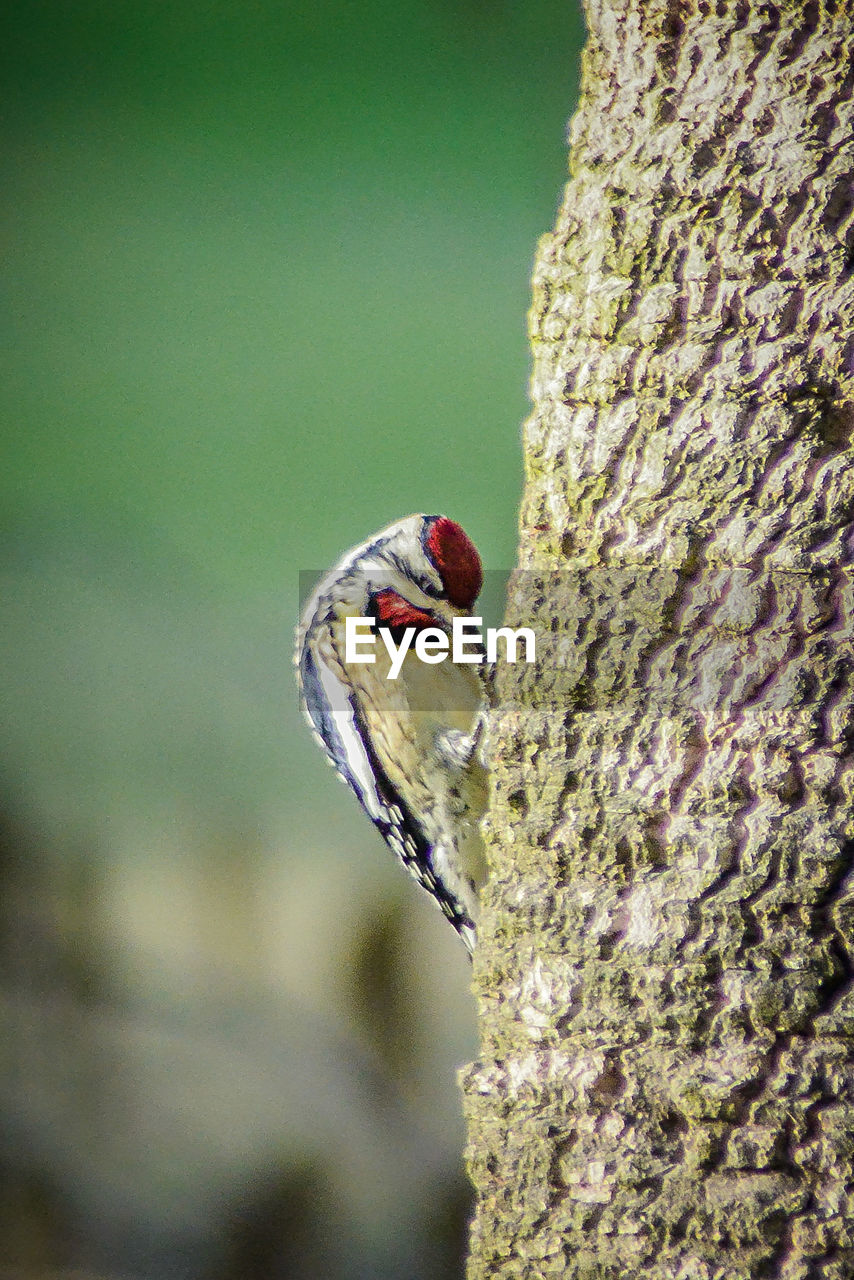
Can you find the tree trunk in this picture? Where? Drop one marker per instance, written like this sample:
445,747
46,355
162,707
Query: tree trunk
666,1086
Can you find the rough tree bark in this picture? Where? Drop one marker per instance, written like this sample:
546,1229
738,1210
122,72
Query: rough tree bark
666,1085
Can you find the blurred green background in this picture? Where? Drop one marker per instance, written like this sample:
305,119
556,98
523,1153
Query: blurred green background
265,281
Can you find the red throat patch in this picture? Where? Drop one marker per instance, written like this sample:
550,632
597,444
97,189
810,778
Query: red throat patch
455,557
395,612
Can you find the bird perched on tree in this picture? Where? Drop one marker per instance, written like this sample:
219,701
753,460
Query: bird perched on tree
401,724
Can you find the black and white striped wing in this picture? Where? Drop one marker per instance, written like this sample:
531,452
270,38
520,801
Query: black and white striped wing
332,710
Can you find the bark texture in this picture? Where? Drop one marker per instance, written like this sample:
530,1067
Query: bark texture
666,1085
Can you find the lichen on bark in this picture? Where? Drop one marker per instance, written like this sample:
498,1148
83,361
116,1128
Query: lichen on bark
666,1082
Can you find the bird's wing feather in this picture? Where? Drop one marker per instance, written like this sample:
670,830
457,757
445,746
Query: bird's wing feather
332,710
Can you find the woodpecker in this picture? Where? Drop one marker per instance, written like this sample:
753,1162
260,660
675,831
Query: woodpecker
409,747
